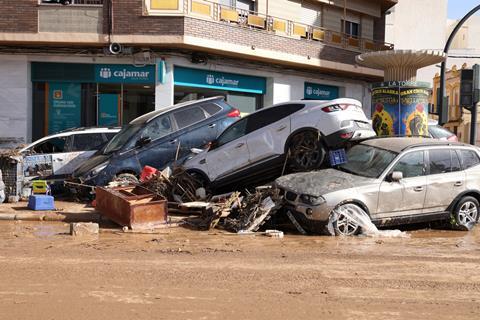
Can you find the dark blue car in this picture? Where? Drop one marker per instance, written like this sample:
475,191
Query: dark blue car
156,139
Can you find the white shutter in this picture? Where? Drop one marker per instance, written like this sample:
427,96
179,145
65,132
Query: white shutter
311,14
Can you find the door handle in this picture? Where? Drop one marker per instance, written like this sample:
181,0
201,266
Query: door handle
59,160
418,189
458,183
239,145
281,128
213,125
173,141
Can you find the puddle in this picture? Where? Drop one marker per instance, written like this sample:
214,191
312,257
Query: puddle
361,218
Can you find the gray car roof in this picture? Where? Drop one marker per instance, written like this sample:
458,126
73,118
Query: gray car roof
398,144
152,115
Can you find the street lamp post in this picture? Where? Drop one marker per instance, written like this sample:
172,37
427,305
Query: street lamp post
443,103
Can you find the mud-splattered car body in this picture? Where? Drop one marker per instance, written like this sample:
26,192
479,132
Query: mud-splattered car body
394,180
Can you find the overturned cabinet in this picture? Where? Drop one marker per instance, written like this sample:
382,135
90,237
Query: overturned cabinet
133,207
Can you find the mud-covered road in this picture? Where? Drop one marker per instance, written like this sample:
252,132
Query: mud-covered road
182,274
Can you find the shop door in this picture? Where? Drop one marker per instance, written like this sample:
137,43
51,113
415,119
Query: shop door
108,109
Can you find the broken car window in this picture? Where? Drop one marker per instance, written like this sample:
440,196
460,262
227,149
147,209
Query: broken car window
54,145
367,161
158,127
412,164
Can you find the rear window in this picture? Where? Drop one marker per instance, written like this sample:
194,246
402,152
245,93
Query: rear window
439,132
211,108
469,158
189,116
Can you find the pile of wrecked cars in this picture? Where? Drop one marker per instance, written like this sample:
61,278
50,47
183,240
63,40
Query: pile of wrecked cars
316,165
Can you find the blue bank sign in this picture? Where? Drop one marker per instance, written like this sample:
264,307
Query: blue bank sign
316,91
218,80
124,73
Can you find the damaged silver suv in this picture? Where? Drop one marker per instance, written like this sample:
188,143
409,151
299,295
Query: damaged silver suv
395,181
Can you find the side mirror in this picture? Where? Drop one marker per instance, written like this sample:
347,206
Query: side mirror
396,176
143,141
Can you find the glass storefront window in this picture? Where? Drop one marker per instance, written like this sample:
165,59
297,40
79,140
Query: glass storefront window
245,102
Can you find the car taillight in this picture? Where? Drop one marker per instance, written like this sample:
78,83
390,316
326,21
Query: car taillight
336,107
347,135
452,138
235,113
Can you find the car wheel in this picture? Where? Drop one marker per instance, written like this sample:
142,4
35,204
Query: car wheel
465,213
342,221
126,177
306,151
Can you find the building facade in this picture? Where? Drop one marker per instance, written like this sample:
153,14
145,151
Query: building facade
105,62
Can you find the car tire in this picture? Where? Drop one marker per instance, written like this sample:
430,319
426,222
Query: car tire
128,177
306,151
340,224
465,213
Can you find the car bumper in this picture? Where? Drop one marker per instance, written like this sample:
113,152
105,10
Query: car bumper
342,137
317,214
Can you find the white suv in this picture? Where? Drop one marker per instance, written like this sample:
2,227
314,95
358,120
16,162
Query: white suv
256,145
57,155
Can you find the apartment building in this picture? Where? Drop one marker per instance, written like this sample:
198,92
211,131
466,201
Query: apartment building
69,63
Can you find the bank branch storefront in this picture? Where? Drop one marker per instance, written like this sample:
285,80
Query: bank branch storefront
67,95
245,92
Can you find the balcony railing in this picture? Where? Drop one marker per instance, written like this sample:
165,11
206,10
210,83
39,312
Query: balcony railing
205,9
74,2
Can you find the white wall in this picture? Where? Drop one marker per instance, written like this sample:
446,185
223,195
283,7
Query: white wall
15,97
418,25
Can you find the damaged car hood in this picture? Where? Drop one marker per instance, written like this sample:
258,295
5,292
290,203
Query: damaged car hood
90,164
318,183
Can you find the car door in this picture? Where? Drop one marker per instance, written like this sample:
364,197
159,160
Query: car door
445,179
407,196
230,152
162,147
48,161
268,130
82,147
195,129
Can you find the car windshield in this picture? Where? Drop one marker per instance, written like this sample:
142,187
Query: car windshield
367,161
121,138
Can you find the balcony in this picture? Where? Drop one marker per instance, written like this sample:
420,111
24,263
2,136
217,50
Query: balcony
79,16
248,20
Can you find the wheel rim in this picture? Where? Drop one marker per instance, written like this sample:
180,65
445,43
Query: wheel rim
468,213
306,151
346,225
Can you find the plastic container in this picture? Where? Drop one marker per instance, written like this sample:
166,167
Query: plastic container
41,202
147,173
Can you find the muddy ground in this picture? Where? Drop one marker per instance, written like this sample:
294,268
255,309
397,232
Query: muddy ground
178,273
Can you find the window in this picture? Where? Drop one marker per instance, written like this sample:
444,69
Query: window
441,161
86,142
469,158
158,127
351,28
189,116
211,108
109,135
367,161
53,145
235,131
411,165
240,4
270,115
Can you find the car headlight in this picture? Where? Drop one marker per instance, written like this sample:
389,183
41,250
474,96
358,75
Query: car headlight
312,200
95,171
